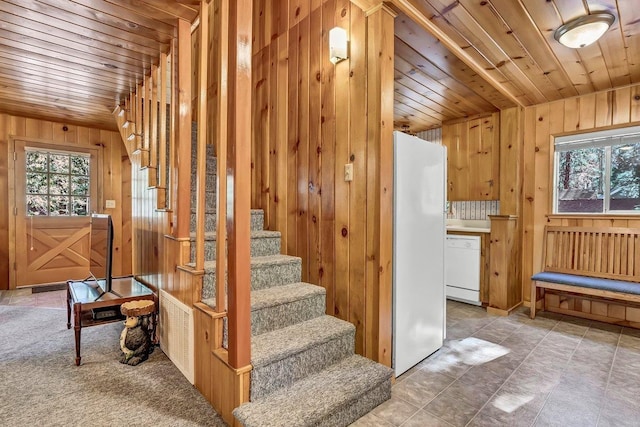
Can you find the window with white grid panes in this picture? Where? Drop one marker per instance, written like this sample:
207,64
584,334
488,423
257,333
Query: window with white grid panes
58,183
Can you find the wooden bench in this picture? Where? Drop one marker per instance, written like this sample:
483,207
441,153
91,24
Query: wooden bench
590,272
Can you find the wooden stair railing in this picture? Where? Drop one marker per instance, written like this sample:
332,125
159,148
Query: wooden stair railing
221,149
165,156
145,136
152,179
201,149
154,128
162,136
239,39
222,375
181,111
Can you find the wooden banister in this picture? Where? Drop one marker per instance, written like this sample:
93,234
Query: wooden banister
146,120
238,219
201,148
162,137
221,154
153,131
173,120
181,104
137,130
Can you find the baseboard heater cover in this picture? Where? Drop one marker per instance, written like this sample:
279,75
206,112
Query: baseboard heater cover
176,333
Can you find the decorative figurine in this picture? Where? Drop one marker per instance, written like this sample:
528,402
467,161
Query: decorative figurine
136,338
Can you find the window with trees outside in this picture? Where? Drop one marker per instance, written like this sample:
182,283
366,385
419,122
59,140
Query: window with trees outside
598,172
57,183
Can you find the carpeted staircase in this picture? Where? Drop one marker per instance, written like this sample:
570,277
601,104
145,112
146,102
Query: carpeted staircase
305,372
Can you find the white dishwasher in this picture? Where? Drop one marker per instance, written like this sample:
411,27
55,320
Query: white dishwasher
462,268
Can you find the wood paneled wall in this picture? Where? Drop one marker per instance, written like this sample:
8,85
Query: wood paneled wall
473,152
148,227
309,120
510,169
114,181
541,123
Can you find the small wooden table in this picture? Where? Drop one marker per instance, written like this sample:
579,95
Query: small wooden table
84,299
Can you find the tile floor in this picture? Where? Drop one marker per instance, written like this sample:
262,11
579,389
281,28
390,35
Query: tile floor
514,371
24,297
501,371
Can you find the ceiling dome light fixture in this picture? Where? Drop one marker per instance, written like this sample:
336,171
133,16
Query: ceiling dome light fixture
584,30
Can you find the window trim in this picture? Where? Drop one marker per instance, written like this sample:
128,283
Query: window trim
602,138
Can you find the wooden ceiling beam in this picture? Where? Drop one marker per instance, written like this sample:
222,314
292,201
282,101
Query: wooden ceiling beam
489,27
465,31
408,7
442,59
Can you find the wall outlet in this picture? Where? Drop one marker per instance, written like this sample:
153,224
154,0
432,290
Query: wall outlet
110,204
348,172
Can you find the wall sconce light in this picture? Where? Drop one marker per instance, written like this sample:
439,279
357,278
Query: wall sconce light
338,44
584,30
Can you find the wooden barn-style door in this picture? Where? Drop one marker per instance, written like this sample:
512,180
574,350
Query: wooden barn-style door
54,192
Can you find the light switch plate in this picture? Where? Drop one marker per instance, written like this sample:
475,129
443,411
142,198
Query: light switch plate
348,172
110,204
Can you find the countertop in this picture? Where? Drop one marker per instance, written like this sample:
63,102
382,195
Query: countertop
468,226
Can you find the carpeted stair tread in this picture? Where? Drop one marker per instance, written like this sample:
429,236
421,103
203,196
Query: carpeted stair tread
279,295
266,271
255,234
320,399
214,211
261,261
211,302
263,243
257,219
282,306
282,343
304,372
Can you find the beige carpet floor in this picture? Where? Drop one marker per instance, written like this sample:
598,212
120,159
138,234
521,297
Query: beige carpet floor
40,384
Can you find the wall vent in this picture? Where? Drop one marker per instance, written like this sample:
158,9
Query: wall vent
176,333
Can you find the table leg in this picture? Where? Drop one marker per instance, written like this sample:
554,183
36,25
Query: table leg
68,306
154,327
77,325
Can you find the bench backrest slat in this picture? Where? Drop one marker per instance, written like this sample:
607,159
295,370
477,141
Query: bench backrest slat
611,253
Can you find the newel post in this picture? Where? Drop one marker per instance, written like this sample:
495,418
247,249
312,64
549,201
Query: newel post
181,104
239,181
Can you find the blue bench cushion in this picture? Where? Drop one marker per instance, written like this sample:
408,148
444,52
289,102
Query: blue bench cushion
588,282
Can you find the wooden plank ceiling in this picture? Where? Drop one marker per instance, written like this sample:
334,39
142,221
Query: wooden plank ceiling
512,42
74,61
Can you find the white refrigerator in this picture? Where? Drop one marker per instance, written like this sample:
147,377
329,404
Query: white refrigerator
419,301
